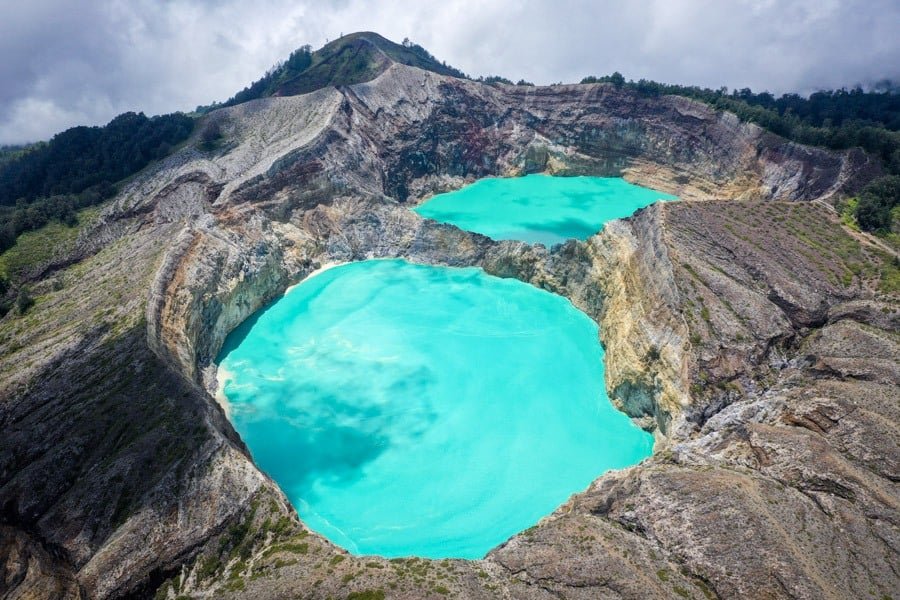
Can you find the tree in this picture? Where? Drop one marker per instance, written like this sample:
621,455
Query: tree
873,212
52,180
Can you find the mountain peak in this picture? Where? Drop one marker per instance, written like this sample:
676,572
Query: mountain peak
350,59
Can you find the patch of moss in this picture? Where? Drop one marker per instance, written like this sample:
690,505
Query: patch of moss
284,563
298,548
366,595
208,567
238,569
889,277
282,525
693,273
710,595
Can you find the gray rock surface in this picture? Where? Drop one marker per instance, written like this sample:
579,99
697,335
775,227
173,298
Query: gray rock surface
755,337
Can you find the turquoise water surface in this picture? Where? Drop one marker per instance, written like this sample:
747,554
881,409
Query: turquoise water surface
427,411
539,208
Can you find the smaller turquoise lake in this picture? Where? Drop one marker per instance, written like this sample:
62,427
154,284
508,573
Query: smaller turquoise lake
539,208
411,410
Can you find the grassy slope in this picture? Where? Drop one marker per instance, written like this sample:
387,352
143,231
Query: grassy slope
355,58
34,248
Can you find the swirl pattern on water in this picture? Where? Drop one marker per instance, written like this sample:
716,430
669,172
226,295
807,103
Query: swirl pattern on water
427,411
539,208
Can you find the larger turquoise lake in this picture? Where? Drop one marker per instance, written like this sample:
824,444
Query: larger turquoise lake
411,410
539,208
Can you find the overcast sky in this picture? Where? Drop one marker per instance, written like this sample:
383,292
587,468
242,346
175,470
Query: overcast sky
68,62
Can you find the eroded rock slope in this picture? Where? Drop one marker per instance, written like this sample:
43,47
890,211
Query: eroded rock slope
754,336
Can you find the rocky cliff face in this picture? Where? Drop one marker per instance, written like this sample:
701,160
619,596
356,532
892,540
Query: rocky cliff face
755,337
720,320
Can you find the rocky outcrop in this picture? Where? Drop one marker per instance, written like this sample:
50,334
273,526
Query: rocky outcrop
755,337
762,485
648,353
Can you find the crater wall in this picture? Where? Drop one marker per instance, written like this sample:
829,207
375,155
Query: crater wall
753,335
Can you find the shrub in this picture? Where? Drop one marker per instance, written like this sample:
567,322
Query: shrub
24,301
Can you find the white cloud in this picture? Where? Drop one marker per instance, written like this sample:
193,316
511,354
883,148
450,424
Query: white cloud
82,63
37,118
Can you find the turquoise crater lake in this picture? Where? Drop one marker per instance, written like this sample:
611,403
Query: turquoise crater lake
411,410
539,208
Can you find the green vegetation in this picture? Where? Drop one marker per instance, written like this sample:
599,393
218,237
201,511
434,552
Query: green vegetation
169,584
351,59
848,213
29,216
492,79
877,203
616,79
889,276
24,301
34,248
238,539
836,119
10,153
78,167
211,136
47,188
366,595
297,62
208,567
298,548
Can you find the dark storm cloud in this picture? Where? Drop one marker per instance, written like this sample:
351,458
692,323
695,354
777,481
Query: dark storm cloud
67,63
